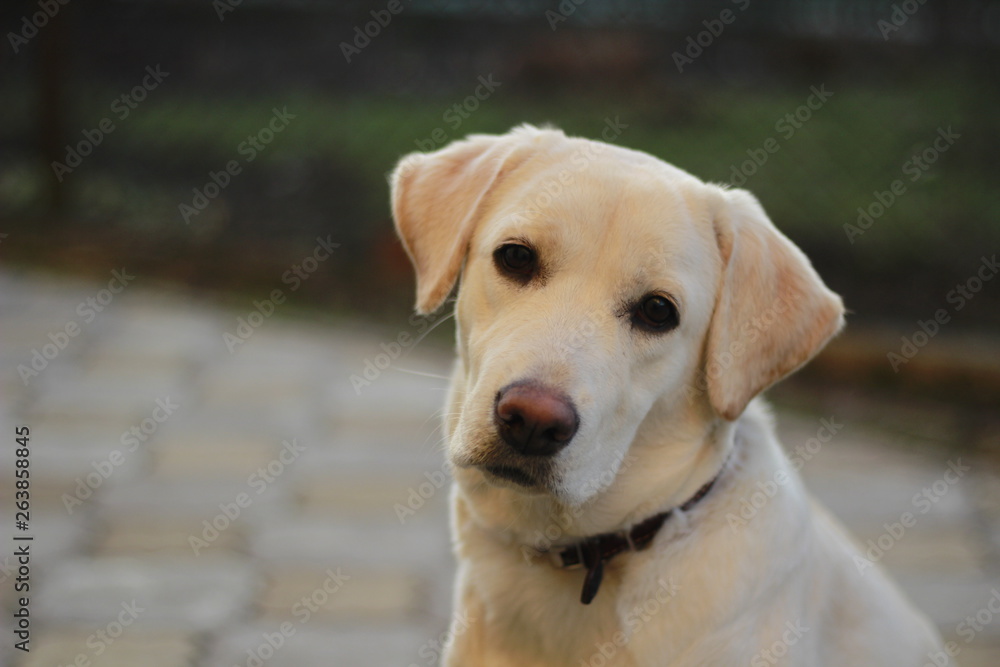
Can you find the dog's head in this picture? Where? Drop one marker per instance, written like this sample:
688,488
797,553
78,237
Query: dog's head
605,295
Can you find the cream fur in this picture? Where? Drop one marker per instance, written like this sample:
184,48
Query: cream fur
660,414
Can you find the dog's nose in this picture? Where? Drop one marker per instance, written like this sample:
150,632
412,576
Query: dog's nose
535,420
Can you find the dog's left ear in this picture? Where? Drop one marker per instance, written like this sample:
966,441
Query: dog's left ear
773,312
437,199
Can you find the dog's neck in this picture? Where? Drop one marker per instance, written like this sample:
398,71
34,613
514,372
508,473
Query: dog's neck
593,552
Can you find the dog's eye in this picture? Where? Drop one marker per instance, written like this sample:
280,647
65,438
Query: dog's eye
656,312
516,260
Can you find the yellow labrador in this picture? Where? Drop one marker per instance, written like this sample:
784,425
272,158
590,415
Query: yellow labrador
616,319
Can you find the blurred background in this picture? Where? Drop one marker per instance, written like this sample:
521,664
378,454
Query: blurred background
193,208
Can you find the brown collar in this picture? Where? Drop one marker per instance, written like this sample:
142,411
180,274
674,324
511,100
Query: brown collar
594,551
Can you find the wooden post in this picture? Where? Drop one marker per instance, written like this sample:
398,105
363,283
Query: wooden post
53,47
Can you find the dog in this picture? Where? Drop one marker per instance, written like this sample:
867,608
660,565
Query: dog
616,321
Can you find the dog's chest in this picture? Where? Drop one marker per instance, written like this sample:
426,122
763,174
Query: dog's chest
540,606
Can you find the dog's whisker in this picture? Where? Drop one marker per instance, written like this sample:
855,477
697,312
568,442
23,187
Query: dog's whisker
441,438
421,373
437,414
432,328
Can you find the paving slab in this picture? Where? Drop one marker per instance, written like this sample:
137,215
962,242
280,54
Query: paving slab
309,646
367,496
130,649
342,594
182,593
140,535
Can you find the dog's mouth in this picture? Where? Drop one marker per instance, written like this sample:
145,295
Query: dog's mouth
510,474
498,467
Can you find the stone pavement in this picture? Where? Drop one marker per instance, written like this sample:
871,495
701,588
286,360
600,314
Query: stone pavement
200,507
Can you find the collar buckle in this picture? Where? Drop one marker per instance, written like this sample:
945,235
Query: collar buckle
627,534
558,561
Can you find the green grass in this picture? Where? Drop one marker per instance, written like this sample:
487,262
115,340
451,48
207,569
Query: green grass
855,144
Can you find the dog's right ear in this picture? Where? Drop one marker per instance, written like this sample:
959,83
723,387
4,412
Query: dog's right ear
438,197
